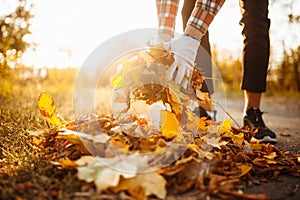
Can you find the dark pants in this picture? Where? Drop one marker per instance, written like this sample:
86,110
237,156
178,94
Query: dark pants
256,50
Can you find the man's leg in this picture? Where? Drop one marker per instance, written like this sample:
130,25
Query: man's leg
203,58
256,55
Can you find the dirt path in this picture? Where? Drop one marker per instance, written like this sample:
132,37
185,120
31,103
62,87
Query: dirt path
283,117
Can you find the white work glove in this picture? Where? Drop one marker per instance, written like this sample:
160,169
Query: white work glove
185,50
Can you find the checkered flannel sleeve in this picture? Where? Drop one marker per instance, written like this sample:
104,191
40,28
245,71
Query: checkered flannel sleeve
167,12
202,15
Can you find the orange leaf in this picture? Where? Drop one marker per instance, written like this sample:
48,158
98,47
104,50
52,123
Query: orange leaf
244,169
271,156
68,164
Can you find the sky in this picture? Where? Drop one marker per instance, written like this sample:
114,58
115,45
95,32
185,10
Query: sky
67,31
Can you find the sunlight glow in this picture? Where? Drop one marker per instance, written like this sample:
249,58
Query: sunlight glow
66,31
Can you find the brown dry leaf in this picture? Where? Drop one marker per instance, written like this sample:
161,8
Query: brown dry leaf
143,185
187,177
205,100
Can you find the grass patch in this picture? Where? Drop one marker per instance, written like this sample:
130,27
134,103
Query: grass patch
25,168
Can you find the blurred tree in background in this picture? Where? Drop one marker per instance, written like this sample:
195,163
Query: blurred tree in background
13,29
286,76
287,73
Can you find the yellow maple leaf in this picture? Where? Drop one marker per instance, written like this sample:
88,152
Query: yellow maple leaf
226,125
47,108
238,138
169,124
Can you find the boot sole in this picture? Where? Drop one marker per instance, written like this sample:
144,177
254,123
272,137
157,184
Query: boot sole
266,139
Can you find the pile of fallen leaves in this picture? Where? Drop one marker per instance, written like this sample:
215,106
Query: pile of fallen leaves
128,155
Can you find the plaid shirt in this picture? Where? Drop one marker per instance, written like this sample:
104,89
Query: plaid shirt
202,15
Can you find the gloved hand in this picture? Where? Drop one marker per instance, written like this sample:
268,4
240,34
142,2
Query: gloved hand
185,50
